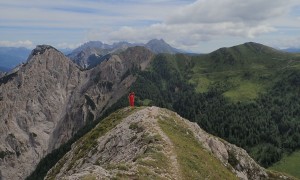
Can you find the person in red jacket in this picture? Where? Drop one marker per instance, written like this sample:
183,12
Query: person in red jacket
131,99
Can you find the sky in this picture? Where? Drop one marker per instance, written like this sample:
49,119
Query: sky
199,26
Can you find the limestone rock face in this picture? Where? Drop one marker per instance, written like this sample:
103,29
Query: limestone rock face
46,100
32,102
136,144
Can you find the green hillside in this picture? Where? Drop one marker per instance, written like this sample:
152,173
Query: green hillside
289,164
247,70
247,94
195,162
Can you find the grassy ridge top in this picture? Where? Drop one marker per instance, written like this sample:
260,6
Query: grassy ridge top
153,143
247,94
243,71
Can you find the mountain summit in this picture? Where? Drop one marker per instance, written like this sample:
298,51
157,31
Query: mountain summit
160,46
158,144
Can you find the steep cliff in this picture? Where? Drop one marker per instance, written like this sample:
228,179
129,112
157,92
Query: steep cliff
46,100
154,143
32,102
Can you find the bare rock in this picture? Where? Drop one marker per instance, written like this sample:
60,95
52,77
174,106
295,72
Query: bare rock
129,149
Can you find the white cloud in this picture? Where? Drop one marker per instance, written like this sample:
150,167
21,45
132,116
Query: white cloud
182,23
216,11
183,35
205,20
25,43
283,43
68,45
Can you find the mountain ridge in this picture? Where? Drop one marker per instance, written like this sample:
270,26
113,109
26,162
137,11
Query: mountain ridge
91,53
142,142
12,56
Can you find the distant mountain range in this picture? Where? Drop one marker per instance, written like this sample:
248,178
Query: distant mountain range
4,69
66,50
10,57
292,50
92,53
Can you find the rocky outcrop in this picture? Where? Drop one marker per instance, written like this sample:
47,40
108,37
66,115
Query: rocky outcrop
46,100
154,143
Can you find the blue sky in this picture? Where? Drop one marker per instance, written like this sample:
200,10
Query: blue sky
193,25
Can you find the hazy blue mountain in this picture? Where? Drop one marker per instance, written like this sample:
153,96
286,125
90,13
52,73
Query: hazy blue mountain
12,56
91,53
4,69
103,46
89,45
66,51
160,46
292,50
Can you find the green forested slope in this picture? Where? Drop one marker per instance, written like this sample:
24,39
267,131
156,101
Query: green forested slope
249,96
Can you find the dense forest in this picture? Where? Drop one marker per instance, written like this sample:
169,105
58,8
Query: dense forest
267,127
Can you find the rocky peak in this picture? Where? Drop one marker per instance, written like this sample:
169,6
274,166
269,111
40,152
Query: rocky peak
45,51
160,46
40,49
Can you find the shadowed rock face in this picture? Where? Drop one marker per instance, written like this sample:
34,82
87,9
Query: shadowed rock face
48,99
147,141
